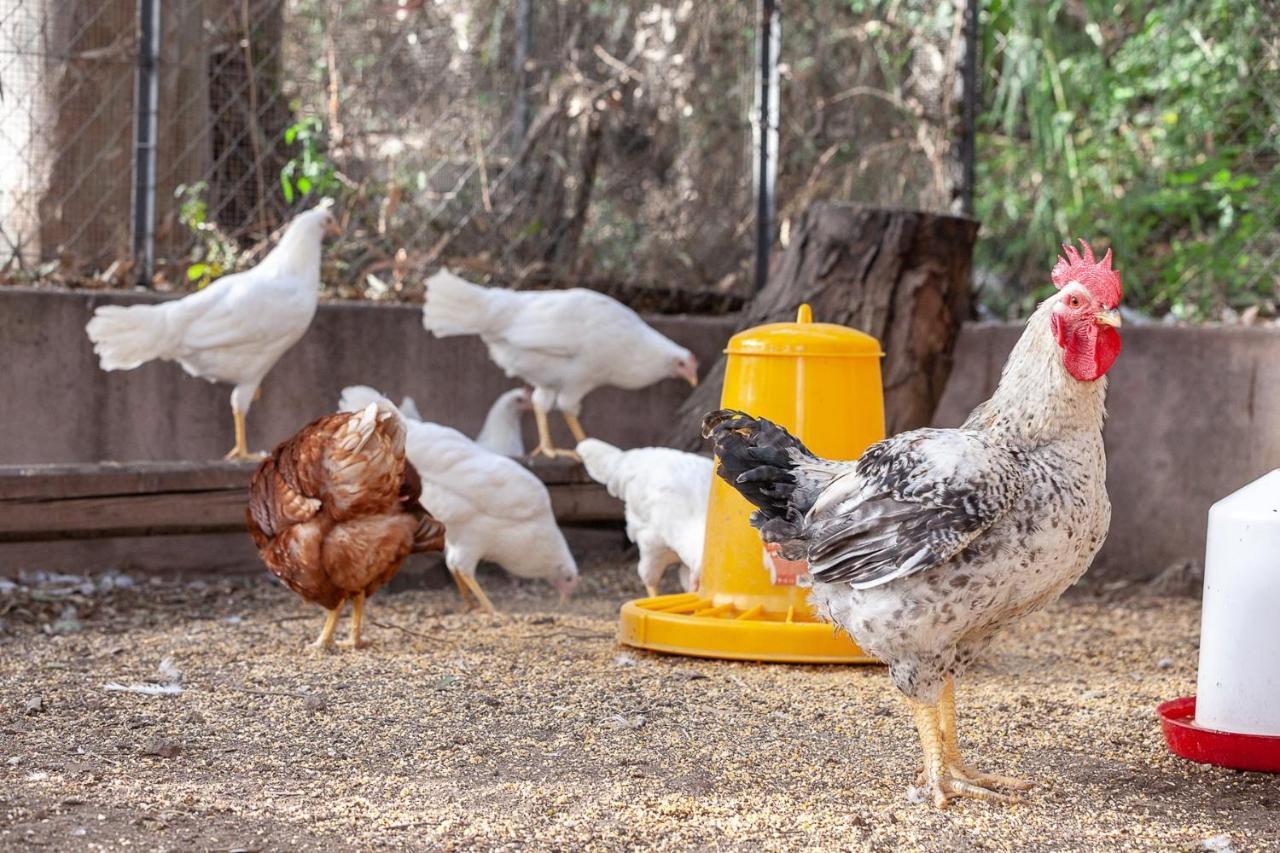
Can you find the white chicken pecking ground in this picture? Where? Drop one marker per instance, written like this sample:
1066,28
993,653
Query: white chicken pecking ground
565,343
492,507
232,331
665,494
935,539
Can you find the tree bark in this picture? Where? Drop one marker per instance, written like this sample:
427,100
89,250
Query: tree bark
901,276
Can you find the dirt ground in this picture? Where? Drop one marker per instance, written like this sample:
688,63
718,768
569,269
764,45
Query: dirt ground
538,731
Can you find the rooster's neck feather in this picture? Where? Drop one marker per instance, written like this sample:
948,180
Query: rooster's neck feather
1037,400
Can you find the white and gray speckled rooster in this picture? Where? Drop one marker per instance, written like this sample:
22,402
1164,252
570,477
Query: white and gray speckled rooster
936,538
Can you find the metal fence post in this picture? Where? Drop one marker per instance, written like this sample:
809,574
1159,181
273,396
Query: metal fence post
766,160
145,132
969,106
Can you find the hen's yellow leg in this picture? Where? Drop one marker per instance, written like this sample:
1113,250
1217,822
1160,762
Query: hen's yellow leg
940,780
651,589
464,591
951,747
474,586
353,640
241,450
575,427
326,633
545,447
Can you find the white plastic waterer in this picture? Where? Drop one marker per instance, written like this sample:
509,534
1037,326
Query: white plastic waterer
1239,679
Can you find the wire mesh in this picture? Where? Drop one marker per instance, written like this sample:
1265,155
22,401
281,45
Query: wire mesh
604,144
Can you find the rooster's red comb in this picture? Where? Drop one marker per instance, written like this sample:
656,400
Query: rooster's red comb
1097,276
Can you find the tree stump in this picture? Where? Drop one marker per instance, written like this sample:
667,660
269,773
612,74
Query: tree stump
901,276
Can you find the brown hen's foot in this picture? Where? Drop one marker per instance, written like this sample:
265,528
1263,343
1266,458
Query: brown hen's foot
353,640
325,640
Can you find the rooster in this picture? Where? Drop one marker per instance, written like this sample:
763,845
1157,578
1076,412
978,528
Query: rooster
334,511
935,539
566,343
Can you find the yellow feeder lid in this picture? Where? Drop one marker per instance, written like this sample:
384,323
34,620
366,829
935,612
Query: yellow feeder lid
804,338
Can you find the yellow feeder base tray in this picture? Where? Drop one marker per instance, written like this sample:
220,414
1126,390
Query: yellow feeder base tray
688,624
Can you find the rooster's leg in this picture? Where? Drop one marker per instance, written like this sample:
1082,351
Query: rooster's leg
951,748
325,640
474,586
941,782
353,640
575,427
545,447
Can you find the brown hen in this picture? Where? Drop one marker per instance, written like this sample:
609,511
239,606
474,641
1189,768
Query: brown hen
334,511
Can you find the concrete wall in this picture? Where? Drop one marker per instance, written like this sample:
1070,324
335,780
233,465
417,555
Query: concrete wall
57,406
1193,415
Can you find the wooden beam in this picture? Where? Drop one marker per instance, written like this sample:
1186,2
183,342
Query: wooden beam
117,499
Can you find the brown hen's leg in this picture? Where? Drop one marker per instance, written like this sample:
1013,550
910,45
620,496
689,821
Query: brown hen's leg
545,447
575,427
951,747
942,783
353,640
485,603
325,640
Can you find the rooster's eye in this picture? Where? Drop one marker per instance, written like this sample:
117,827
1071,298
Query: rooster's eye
1073,300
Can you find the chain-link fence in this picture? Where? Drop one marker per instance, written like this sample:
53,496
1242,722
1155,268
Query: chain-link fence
605,143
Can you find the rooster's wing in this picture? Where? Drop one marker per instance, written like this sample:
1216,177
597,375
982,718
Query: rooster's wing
916,501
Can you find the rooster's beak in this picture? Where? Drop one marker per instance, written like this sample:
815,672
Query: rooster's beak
1110,317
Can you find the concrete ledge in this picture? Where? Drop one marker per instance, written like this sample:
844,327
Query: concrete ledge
120,500
58,407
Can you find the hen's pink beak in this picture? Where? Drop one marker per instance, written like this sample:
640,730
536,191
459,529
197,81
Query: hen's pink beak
689,373
566,588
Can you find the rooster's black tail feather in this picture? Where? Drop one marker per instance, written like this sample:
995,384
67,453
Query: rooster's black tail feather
759,459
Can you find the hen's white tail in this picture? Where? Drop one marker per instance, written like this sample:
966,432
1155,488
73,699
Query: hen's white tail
356,398
127,336
600,459
455,306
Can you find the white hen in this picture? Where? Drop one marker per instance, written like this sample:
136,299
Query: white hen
492,507
501,430
566,343
235,329
500,433
665,492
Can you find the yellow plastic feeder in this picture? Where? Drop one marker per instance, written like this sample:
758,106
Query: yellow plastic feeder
822,382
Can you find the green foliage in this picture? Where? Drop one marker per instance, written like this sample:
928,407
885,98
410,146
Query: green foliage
309,170
214,254
1148,127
